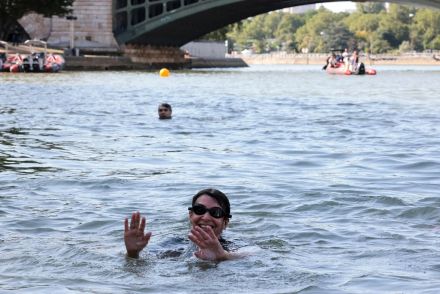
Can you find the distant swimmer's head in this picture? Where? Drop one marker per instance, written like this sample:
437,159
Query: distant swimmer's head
165,111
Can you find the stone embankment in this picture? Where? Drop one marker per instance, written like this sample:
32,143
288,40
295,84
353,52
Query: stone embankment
129,57
155,57
97,62
216,62
378,59
133,57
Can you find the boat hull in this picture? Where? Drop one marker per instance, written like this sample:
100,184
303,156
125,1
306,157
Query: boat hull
32,63
340,69
37,61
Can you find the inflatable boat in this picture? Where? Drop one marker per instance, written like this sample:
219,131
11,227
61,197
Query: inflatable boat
11,63
40,61
340,69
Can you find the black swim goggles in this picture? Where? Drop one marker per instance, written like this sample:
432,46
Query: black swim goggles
215,212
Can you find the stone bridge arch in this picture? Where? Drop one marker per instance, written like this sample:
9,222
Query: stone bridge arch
177,22
107,24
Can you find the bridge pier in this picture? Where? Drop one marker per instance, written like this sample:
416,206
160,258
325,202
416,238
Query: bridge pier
156,57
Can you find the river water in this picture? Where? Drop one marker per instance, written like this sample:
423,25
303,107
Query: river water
334,181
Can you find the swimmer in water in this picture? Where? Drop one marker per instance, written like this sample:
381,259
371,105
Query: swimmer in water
209,215
165,111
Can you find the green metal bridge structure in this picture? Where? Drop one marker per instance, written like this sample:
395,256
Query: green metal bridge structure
177,22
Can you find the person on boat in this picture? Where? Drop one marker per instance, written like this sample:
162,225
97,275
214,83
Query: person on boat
165,111
339,58
209,215
345,54
354,61
331,60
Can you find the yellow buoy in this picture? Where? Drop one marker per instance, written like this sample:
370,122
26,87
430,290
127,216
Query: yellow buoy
164,72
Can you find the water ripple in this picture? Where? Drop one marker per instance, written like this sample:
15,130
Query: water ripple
330,192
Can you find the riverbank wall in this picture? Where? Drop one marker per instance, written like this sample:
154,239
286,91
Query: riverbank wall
377,59
141,59
95,62
133,57
217,62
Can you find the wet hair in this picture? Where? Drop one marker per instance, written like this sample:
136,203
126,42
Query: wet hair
167,106
219,196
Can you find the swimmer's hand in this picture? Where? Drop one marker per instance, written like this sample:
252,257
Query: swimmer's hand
134,237
209,247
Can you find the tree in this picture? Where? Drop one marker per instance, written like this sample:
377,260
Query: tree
364,27
317,33
394,25
370,7
251,34
401,13
337,36
285,32
218,35
380,46
12,10
257,33
371,28
425,30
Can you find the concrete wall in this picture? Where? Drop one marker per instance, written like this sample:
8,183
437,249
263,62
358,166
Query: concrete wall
92,29
283,58
206,49
316,58
155,55
37,26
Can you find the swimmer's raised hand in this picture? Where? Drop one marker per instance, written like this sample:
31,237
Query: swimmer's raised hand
209,247
134,237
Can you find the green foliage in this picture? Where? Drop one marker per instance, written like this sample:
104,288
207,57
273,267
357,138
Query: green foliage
380,46
266,32
370,7
435,43
285,33
360,22
337,36
392,31
12,10
405,47
323,31
400,13
425,29
218,35
370,28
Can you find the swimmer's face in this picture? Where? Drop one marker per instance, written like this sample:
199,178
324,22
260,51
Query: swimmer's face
206,219
164,113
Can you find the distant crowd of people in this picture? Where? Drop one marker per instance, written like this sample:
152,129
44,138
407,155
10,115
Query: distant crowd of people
349,60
